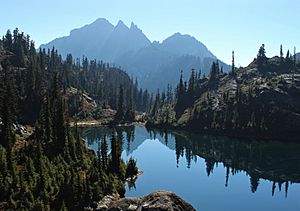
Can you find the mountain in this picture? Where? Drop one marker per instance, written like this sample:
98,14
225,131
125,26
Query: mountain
179,44
160,63
100,40
154,64
89,88
260,101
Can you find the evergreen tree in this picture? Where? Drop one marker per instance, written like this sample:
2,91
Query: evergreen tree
120,111
261,56
180,88
47,121
129,115
233,65
288,55
281,54
8,41
8,109
294,57
180,96
191,86
213,75
156,104
169,94
51,169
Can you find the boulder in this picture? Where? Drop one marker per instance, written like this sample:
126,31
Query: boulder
155,201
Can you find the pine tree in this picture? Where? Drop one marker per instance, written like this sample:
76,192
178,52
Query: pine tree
60,124
156,104
213,75
180,87
180,96
8,41
233,65
129,115
288,54
120,111
169,93
281,55
8,111
262,52
58,118
47,121
191,87
294,57
261,56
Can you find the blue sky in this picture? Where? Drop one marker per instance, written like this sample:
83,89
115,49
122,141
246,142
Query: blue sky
222,25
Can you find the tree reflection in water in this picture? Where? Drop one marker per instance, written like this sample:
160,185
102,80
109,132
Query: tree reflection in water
274,161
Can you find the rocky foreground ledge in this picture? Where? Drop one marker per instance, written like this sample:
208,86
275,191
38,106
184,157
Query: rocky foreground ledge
155,201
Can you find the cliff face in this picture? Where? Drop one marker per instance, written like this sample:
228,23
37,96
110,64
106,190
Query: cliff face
155,201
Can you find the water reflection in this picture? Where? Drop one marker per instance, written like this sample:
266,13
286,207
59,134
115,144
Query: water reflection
274,161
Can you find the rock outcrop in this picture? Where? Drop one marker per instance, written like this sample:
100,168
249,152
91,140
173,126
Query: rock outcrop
155,201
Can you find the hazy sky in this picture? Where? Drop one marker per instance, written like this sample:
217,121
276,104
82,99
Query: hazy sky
222,25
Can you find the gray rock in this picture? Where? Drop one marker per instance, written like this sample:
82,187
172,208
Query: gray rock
155,201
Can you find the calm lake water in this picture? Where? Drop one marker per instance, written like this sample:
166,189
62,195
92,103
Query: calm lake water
212,173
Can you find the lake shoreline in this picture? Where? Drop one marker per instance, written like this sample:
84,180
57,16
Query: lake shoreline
99,123
268,168
229,134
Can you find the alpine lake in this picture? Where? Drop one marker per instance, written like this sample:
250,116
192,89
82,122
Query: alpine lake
212,173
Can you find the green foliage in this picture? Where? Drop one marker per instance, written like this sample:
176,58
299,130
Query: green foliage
49,174
260,101
120,111
214,75
101,82
53,170
261,56
156,104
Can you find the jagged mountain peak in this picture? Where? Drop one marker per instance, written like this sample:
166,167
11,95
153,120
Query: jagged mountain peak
130,48
121,25
132,25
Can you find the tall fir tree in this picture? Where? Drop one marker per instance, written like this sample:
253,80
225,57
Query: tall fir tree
233,65
8,108
120,111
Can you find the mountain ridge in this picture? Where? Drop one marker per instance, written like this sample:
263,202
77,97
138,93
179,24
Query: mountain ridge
130,48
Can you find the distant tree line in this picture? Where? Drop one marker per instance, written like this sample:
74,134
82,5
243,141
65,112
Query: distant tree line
33,71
